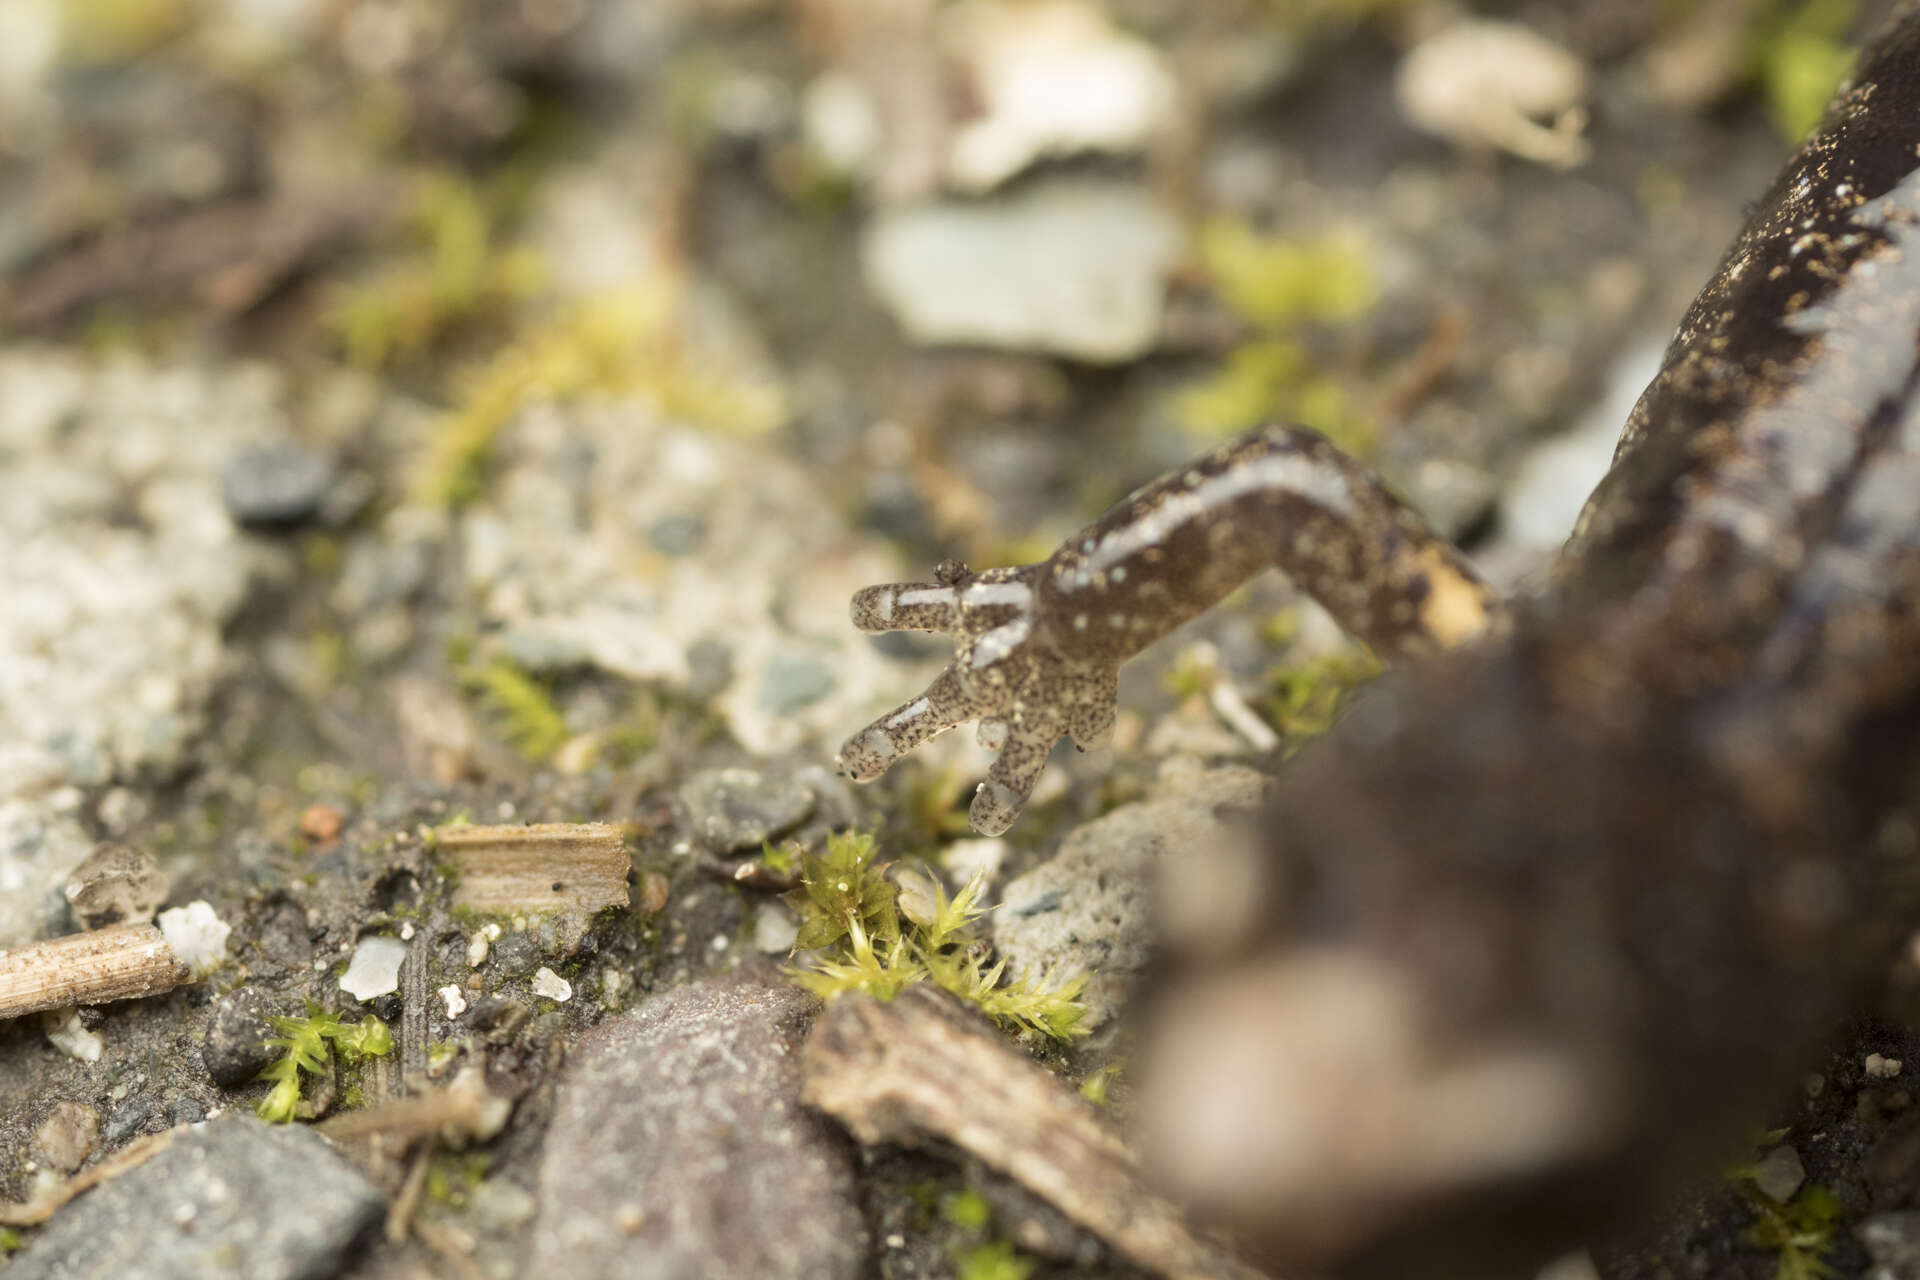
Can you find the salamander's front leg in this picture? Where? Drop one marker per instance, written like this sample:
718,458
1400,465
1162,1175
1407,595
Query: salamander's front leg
1007,673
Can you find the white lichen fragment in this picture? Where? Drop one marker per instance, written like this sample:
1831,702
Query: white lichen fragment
455,998
196,935
69,1037
1483,84
551,985
774,929
374,969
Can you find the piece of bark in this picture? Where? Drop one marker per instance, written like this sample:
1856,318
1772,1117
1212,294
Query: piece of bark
124,962
549,866
921,1067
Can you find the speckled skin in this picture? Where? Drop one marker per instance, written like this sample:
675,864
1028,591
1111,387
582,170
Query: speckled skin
1039,647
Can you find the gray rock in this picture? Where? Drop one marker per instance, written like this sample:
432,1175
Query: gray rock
1892,1240
793,681
679,1148
379,574
514,955
677,535
129,1119
1779,1173
114,884
66,1137
185,1110
738,809
1086,910
235,1198
709,667
235,1049
1066,266
277,486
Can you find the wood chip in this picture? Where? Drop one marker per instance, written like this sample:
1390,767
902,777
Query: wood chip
550,866
923,1067
123,962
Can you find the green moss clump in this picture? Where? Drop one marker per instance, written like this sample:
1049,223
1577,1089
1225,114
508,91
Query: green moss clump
1274,283
1098,1086
448,271
621,342
1799,1232
1797,52
1304,701
982,1258
850,921
1279,287
452,1178
520,706
992,1260
306,1045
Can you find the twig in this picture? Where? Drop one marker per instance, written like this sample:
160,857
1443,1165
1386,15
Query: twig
890,1072
465,1109
406,1201
124,962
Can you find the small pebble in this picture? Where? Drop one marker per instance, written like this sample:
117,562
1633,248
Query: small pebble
321,823
1779,1174
793,682
114,884
375,968
739,809
66,1137
498,1205
774,929
551,985
235,1049
456,1000
129,1119
277,487
1881,1068
69,1037
514,955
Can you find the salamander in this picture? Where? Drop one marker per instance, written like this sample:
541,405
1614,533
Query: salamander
1563,905
1039,647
